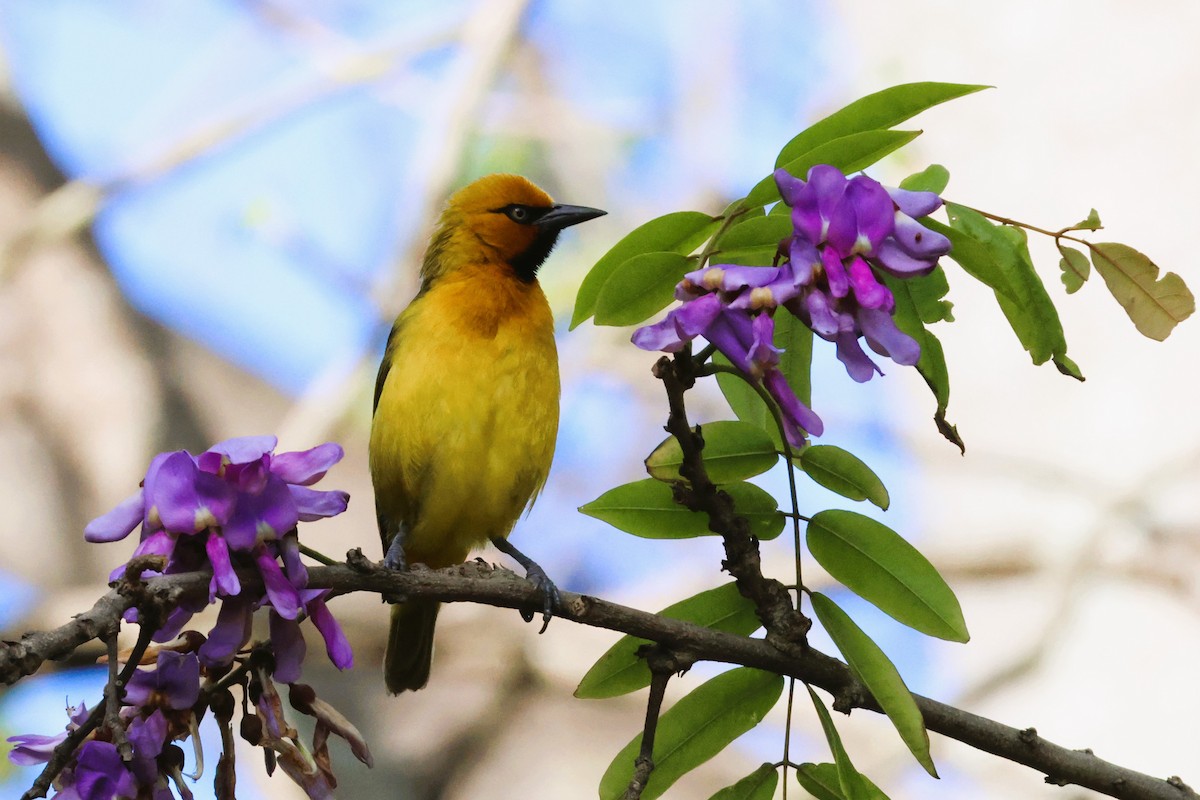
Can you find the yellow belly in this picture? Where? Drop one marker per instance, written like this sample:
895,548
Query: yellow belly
463,433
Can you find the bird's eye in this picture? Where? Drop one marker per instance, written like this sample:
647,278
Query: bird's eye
518,214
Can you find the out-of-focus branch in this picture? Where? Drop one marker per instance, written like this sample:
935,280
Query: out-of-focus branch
478,582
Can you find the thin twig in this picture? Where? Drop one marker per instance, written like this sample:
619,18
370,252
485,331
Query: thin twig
660,674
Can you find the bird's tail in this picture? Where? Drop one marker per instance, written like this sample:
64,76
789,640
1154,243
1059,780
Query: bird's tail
410,645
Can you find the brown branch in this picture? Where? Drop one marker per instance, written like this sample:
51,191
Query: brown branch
663,663
481,583
786,626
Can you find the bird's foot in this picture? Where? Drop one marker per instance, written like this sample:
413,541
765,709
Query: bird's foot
395,558
551,600
538,577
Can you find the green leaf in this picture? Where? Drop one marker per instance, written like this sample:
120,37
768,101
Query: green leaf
883,109
931,179
696,728
795,339
848,153
1156,305
927,292
755,232
974,258
680,232
879,675
822,782
932,365
1075,268
842,472
851,783
733,451
878,565
647,508
620,671
640,288
758,785
1091,223
1031,314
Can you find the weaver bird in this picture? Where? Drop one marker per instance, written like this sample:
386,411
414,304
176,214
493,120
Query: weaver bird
466,401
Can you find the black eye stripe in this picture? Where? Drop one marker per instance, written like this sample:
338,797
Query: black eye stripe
520,213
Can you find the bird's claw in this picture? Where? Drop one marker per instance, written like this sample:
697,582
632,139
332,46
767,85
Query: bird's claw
394,558
551,600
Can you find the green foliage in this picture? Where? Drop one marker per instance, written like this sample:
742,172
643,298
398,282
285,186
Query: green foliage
1031,313
1156,305
878,565
758,785
640,288
753,241
853,785
927,293
823,783
680,232
848,153
844,473
883,109
696,728
1075,268
620,670
1090,223
647,508
879,675
933,178
733,451
932,365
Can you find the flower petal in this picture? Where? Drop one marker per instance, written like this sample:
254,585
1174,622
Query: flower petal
306,467
914,204
178,678
892,258
868,291
282,596
147,735
287,642
262,517
789,185
229,634
118,523
336,645
799,417
100,774
33,748
185,499
662,335
763,352
224,580
293,566
312,504
885,338
244,449
850,353
835,273
803,259
918,241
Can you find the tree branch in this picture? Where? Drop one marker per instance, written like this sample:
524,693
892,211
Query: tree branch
479,582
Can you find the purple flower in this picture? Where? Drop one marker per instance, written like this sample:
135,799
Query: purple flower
845,230
33,748
287,640
100,774
747,341
174,683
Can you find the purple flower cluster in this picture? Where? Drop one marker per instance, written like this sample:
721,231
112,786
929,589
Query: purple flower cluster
156,711
234,506
237,504
845,230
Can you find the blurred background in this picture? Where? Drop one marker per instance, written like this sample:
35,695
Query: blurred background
210,213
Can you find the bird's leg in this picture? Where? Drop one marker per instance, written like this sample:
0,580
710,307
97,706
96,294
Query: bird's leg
535,575
395,558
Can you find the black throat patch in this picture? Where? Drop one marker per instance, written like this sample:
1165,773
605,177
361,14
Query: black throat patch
526,264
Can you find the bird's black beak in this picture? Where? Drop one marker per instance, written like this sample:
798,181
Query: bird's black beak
563,216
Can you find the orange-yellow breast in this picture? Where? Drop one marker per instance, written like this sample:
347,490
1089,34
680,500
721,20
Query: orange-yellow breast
463,433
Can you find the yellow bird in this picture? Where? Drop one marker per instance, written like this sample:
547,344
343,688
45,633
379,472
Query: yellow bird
466,401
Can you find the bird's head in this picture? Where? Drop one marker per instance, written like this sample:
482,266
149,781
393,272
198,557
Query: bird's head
502,218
